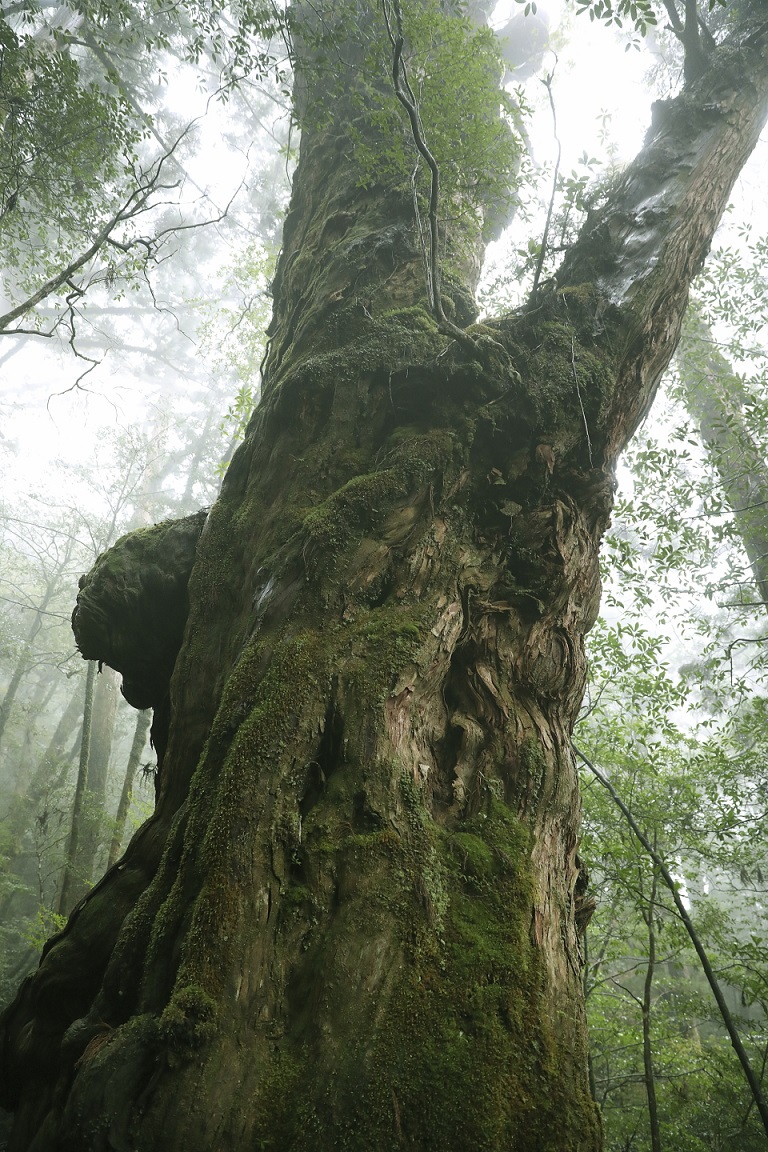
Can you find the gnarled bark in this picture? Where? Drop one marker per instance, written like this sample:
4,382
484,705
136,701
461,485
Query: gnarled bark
350,923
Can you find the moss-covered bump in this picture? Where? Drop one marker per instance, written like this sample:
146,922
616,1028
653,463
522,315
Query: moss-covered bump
132,606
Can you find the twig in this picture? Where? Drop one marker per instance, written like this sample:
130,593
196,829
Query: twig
547,82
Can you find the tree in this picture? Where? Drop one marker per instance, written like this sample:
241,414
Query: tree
55,557
690,802
92,172
709,818
350,922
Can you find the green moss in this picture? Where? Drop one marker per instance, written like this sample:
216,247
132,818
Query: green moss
364,501
415,317
532,757
477,1070
369,841
474,856
189,1019
359,502
383,641
279,1112
270,694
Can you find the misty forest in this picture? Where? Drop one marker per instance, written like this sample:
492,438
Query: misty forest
383,576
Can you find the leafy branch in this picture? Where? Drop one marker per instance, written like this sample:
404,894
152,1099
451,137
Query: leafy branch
143,198
714,983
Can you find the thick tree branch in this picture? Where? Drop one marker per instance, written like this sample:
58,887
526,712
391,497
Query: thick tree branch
641,251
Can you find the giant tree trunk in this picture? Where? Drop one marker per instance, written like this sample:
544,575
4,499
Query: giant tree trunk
350,922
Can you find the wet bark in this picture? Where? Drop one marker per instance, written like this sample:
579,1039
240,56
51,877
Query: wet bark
350,923
714,397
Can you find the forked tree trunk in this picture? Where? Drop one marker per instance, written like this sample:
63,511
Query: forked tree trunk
714,397
350,923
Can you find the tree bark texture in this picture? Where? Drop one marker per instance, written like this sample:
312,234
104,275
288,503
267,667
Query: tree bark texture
714,397
350,923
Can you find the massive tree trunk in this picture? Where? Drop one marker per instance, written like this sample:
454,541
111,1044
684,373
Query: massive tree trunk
350,922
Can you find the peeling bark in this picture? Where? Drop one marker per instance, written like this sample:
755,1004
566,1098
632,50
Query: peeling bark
350,923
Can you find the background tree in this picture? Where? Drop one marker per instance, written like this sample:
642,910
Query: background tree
706,809
91,163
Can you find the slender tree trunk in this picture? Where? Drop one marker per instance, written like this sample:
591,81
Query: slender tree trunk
350,922
713,397
23,662
137,747
70,879
93,816
647,1003
55,752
